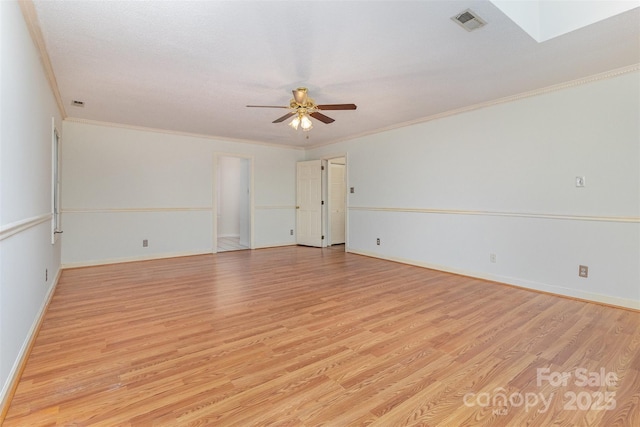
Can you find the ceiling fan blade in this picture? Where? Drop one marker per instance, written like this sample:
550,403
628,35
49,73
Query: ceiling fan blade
266,106
322,117
300,95
283,118
337,107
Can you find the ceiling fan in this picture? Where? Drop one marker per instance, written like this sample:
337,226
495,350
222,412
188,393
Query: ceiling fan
302,106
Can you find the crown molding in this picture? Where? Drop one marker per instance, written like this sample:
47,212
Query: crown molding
31,19
180,133
542,91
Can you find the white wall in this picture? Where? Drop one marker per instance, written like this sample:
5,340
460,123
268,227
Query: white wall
122,185
501,180
26,109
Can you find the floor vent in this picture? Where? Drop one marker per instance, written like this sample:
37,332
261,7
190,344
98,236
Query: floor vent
469,20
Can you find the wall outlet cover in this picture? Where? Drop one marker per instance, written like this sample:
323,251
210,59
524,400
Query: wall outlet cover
583,271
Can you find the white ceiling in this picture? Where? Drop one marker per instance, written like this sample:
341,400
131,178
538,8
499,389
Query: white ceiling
193,66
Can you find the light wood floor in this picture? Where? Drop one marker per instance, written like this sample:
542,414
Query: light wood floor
300,336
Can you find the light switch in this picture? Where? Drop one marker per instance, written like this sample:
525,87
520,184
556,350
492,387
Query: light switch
579,181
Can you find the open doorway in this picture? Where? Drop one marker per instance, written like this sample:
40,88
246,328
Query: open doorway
233,207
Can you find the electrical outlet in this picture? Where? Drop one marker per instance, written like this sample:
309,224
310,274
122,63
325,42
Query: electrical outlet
291,232
378,241
352,190
145,243
583,271
492,258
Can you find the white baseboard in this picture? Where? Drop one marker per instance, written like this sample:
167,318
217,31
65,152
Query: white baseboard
16,370
133,259
275,245
107,261
520,283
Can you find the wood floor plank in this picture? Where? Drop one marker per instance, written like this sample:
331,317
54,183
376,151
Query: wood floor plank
299,336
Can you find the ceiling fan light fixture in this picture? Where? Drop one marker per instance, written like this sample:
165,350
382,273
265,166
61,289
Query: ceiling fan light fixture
305,123
295,122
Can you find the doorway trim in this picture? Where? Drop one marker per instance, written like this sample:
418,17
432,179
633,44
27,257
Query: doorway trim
214,209
325,196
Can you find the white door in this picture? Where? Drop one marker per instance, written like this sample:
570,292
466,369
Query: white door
337,190
309,203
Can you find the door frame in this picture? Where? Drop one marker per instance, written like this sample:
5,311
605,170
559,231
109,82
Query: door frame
331,163
214,208
316,240
325,196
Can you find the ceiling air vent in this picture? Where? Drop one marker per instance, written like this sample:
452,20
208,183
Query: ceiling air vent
469,20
